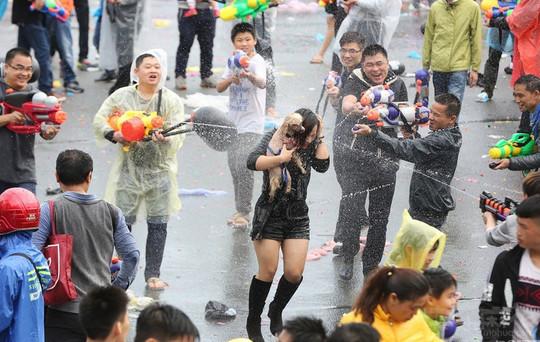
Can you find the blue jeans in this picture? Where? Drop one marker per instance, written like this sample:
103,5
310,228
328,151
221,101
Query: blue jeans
61,33
450,82
35,36
30,186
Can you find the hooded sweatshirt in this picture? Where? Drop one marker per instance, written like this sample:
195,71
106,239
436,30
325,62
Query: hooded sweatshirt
21,297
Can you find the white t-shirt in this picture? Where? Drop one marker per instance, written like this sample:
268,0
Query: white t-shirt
246,101
527,299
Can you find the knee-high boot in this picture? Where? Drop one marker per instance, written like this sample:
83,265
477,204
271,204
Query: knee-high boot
258,291
284,293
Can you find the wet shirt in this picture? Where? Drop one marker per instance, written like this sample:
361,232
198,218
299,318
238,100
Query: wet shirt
17,152
527,303
247,101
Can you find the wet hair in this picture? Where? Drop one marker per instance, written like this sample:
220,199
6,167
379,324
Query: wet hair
241,28
100,309
435,246
164,322
529,208
18,51
73,166
452,103
531,184
352,37
531,82
372,50
406,283
141,58
310,121
439,280
355,332
305,329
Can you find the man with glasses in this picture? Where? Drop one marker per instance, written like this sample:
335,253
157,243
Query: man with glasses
33,35
367,170
17,152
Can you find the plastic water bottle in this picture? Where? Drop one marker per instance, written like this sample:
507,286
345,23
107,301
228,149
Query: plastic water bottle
482,97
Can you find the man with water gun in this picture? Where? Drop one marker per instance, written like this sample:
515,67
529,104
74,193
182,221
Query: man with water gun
527,97
17,152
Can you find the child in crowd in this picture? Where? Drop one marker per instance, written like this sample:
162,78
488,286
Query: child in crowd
247,110
505,232
441,301
303,329
354,332
389,302
162,322
417,245
103,314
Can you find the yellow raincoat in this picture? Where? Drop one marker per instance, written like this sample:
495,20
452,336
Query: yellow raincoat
413,242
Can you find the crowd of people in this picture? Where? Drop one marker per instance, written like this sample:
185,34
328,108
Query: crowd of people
73,296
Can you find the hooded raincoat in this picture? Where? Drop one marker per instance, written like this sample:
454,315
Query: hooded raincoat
21,298
148,170
413,242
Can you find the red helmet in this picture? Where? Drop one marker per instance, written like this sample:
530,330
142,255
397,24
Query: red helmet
19,210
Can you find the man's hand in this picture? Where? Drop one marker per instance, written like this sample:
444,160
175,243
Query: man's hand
119,138
407,134
15,117
504,164
235,79
332,91
48,132
349,3
473,78
157,137
359,109
363,130
286,155
489,220
39,4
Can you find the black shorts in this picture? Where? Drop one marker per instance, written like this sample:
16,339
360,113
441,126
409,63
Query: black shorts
280,228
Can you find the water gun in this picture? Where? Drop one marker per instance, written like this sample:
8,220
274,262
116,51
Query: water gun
400,114
520,144
333,79
238,61
324,3
422,87
377,94
38,109
115,266
501,209
134,125
54,9
495,8
243,9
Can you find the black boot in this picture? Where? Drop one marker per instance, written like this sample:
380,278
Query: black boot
258,291
347,269
284,293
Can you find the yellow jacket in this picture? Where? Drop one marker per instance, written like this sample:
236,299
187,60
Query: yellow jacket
414,330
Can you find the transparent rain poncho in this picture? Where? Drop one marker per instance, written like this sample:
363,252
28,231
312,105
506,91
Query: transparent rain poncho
147,172
376,20
413,242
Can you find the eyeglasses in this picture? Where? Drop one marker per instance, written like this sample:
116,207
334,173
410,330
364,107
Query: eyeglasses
349,51
21,68
374,65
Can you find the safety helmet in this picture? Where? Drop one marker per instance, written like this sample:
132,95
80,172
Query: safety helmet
19,210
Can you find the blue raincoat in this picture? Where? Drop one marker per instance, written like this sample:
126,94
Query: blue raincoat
21,297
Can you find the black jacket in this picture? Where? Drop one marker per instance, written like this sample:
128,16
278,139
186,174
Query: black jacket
294,203
363,150
496,315
435,159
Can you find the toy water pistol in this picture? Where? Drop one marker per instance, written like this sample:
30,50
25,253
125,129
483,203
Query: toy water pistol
243,9
53,9
115,266
398,114
333,79
37,108
134,125
377,94
238,61
520,144
494,8
422,87
501,209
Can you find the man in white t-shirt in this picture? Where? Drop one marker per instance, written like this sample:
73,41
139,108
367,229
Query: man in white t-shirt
518,269
246,109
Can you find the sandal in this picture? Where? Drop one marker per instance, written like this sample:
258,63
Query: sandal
240,222
156,284
317,60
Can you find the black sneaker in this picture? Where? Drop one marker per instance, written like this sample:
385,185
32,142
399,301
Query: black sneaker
508,70
74,87
107,76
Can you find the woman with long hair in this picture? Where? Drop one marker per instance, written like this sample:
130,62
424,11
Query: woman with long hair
281,214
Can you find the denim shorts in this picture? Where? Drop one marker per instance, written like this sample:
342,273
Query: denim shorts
281,228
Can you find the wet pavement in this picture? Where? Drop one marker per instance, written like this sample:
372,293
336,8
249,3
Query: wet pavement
207,260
